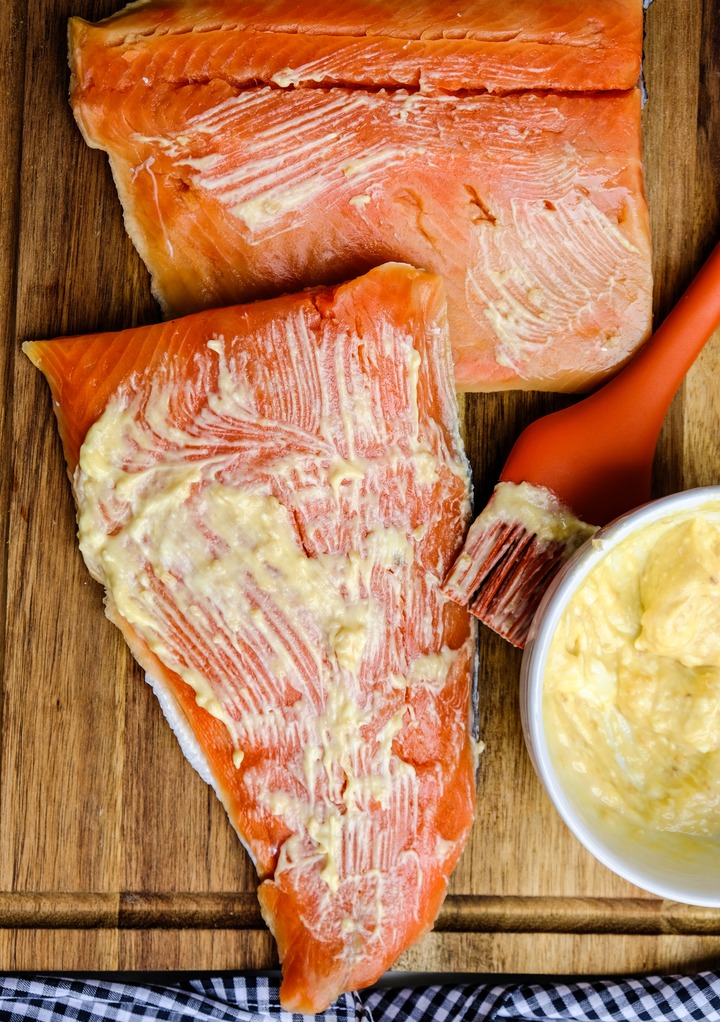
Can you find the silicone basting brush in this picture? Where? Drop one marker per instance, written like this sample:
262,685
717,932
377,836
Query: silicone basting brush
590,462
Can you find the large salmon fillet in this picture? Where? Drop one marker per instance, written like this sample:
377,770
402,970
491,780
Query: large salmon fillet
259,148
271,496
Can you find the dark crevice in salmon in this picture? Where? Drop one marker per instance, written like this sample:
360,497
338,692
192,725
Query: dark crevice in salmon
415,202
299,529
179,183
484,216
391,88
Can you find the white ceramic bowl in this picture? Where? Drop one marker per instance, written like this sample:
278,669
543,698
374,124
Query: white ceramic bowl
678,867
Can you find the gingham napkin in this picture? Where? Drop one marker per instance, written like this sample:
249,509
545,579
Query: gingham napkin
242,999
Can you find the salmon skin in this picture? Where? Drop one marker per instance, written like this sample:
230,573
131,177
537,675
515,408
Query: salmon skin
271,496
258,150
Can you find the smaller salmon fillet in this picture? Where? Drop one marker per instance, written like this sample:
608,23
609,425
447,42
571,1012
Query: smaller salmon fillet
271,496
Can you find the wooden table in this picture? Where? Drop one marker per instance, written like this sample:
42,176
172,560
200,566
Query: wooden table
113,853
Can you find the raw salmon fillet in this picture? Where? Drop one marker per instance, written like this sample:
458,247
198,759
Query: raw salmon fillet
271,496
259,148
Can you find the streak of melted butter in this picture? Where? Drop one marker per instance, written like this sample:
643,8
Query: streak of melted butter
632,683
371,161
327,836
265,209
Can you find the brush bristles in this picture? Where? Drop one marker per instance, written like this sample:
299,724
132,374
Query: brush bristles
503,573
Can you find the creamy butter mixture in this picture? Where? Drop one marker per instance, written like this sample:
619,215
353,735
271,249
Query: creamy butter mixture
632,686
539,512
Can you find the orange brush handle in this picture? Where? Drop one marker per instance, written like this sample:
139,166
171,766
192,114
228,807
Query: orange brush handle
592,453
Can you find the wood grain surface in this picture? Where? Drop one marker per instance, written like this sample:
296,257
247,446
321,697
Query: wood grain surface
113,853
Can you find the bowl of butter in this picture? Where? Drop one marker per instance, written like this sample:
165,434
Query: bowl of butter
620,696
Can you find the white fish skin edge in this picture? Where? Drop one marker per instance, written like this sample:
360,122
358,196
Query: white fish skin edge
177,720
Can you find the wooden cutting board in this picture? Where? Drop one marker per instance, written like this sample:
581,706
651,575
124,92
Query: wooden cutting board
113,853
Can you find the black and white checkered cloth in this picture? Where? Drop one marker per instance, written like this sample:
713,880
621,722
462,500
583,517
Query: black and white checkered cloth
239,999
